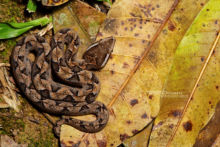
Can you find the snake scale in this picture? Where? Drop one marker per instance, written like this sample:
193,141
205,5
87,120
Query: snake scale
58,83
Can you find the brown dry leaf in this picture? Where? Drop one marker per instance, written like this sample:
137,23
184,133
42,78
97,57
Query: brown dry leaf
6,141
216,143
89,18
130,85
191,91
7,93
210,134
81,17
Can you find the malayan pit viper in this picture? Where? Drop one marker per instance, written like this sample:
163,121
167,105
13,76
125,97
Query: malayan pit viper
58,83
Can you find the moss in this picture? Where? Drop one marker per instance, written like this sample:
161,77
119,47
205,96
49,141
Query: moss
12,12
6,53
43,141
9,123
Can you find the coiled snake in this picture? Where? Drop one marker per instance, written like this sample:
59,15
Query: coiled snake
58,83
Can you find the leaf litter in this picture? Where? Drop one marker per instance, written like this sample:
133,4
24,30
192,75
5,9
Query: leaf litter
126,89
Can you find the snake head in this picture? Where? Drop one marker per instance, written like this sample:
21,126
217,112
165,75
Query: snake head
97,54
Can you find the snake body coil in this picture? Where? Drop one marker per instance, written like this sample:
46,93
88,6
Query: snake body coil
74,92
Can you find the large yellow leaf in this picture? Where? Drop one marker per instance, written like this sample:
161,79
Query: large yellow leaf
192,88
129,77
162,52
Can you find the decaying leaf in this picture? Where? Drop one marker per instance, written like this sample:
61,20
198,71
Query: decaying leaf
191,91
7,92
129,80
90,19
6,141
216,143
209,135
69,17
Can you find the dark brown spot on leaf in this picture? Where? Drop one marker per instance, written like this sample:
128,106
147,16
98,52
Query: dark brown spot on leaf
144,116
202,4
160,123
217,87
187,126
210,102
134,102
207,9
101,143
135,131
125,65
128,122
171,26
213,51
70,142
136,34
202,59
132,14
216,21
175,113
112,72
123,137
151,96
171,126
130,45
158,6
126,28
141,21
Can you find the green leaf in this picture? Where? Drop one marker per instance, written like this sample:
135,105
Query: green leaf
10,30
31,6
41,21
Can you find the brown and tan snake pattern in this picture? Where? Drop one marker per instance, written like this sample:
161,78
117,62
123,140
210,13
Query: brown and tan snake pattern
58,83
